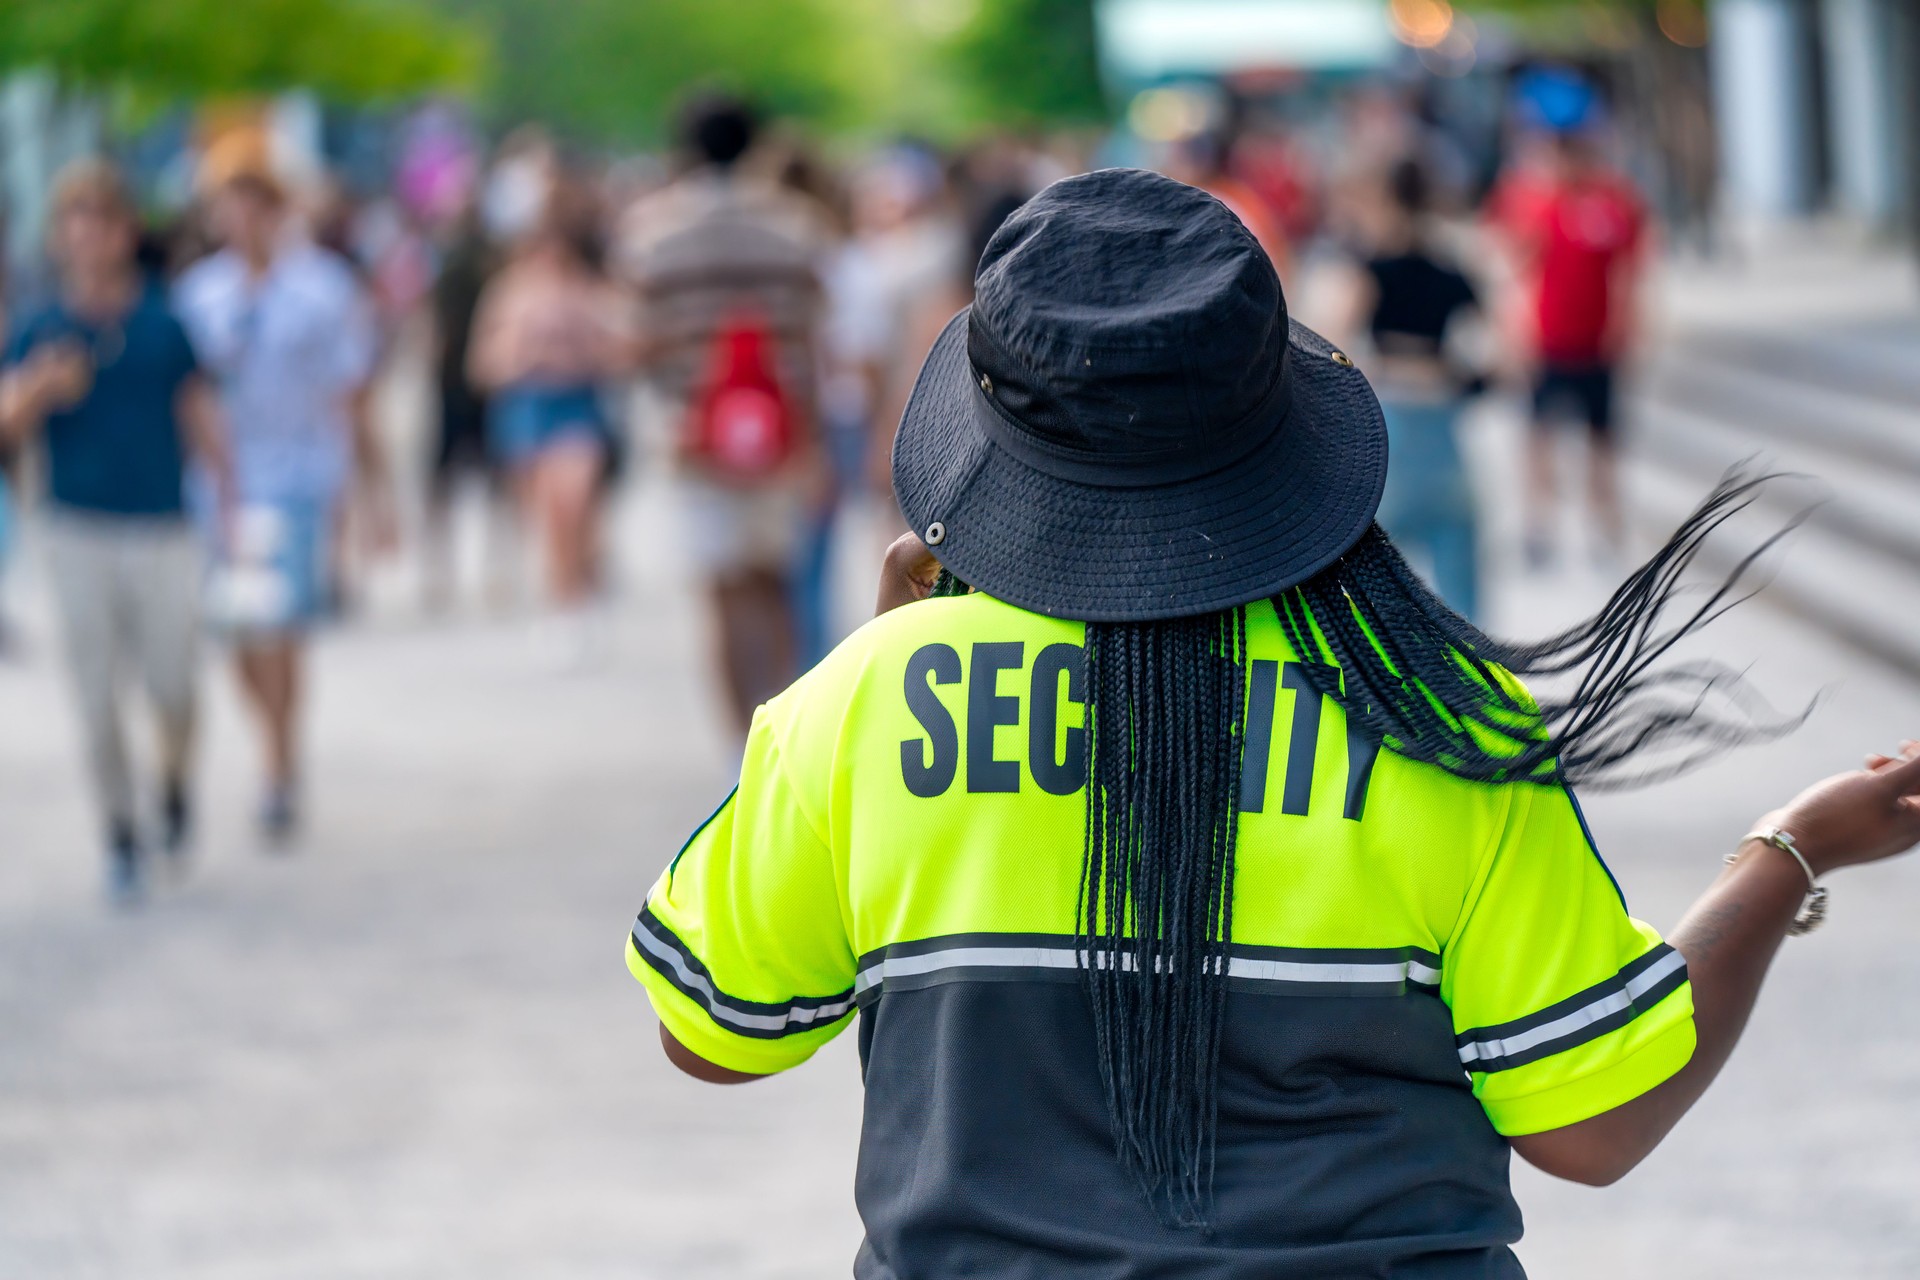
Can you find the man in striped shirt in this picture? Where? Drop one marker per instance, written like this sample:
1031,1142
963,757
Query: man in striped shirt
717,253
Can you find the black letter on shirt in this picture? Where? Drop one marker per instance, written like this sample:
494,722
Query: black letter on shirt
1361,753
1304,741
1261,687
1056,777
987,710
924,777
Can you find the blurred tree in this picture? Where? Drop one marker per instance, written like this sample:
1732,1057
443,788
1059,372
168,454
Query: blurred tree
350,50
1029,61
607,70
610,69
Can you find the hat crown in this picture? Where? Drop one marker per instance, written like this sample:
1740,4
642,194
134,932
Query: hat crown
1123,315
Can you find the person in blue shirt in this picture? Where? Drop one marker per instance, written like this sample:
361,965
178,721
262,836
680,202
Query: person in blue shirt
105,381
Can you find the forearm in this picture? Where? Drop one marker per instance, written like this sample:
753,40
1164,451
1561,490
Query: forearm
1729,938
20,410
206,432
1623,310
489,348
370,457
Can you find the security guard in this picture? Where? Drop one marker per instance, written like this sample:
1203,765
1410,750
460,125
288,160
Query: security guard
1211,900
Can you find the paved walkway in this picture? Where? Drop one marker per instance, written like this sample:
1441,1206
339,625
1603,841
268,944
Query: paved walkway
411,1050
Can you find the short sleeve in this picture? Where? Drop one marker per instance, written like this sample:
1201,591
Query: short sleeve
208,325
1564,1006
182,361
19,342
742,945
358,348
45,325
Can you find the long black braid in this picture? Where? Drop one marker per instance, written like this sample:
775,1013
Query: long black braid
1165,705
1164,740
1601,708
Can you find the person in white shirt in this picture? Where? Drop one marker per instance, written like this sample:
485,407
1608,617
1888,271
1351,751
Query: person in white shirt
289,335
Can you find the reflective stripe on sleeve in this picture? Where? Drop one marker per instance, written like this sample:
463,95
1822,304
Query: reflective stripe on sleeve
1600,1009
673,960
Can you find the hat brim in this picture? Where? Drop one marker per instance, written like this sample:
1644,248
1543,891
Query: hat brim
1137,553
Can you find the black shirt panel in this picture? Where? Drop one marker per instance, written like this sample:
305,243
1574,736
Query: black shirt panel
1350,1145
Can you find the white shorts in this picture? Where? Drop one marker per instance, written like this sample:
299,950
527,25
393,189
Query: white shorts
728,529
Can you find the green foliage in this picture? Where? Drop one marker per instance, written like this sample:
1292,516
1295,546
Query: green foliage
611,69
601,70
349,50
1030,61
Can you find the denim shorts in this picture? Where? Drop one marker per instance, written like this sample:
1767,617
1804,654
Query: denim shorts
523,421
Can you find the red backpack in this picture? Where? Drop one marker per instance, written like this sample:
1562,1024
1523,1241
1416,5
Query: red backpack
741,423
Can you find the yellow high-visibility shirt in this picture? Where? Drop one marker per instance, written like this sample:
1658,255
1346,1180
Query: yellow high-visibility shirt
1419,965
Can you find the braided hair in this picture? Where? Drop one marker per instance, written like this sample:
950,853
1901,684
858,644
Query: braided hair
1165,705
1164,743
1602,710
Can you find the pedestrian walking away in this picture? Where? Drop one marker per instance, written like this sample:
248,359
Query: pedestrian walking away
1412,298
1582,253
289,336
1212,899
460,440
104,378
549,332
9,520
731,307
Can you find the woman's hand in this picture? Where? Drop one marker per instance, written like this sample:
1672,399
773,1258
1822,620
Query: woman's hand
907,574
1852,818
54,376
61,374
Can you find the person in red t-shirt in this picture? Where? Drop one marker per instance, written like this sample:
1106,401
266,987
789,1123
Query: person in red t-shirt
1581,245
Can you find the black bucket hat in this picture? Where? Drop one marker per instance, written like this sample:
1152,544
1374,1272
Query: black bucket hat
1126,425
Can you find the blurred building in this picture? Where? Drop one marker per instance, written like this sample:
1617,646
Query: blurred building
1811,106
1815,104
1143,41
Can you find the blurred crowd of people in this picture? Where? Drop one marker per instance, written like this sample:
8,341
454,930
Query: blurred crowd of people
207,419
198,398
1534,291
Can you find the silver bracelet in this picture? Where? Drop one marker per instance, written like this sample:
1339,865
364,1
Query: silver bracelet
1813,910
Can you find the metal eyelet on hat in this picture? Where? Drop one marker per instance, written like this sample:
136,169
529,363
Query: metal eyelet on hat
1342,359
986,384
936,532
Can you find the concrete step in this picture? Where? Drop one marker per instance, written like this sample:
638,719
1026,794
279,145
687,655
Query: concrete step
1773,406
1877,358
1874,504
1835,404
1855,591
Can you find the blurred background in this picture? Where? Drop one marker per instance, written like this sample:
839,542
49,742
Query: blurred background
430,426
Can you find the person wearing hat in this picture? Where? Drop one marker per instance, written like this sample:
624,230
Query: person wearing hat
288,334
1212,900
